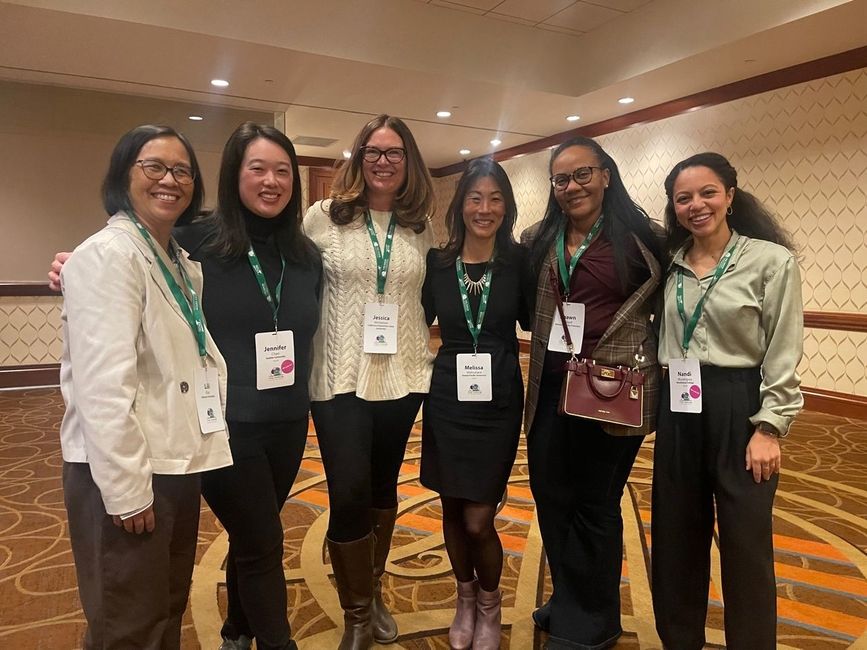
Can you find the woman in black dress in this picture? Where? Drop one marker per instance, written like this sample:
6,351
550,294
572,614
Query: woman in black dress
472,417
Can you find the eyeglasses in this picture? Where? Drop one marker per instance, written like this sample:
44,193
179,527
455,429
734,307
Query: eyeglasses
156,171
582,176
393,155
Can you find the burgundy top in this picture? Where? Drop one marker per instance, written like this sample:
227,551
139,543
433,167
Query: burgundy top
596,284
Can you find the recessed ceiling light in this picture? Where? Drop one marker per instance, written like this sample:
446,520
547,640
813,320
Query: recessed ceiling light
195,118
496,142
347,154
573,118
465,152
444,114
219,83
626,100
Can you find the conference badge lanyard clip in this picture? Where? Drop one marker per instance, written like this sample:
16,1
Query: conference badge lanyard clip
573,312
684,375
275,351
208,405
380,318
474,370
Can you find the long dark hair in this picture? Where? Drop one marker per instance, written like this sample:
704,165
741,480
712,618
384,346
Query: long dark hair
748,215
623,218
505,244
230,231
414,201
115,185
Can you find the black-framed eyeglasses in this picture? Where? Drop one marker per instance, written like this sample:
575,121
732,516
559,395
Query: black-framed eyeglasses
393,154
582,176
156,171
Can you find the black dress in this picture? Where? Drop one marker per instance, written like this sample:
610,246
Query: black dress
468,448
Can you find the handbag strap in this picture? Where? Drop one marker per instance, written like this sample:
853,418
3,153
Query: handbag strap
555,287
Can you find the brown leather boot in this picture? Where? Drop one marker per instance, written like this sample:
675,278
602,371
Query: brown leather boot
352,563
381,621
461,629
487,633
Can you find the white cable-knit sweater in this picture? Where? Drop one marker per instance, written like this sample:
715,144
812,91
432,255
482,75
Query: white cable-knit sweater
349,282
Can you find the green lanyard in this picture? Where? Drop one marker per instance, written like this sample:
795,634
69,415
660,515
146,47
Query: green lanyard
383,255
689,327
566,273
475,328
190,308
263,286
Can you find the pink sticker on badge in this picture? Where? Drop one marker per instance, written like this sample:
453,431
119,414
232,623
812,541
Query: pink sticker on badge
287,366
694,391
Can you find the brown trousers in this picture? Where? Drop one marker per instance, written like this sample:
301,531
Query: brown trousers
133,588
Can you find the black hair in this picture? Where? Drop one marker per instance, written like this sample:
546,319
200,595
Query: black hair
115,185
748,215
231,238
623,217
505,244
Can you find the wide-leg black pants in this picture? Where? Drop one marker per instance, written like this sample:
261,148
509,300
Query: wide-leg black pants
577,475
699,462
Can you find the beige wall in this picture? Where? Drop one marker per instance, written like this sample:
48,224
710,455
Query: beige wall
802,150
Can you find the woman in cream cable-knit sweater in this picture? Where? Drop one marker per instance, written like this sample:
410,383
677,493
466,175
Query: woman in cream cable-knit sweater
371,364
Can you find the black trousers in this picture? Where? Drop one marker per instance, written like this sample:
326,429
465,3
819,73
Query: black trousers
247,498
133,588
362,445
699,460
577,475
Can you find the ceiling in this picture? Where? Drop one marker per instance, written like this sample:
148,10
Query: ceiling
506,69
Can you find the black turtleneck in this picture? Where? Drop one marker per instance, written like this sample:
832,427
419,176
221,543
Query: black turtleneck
236,310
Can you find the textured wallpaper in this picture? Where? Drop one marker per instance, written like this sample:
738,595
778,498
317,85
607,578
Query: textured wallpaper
802,150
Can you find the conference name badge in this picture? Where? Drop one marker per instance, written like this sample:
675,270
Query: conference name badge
474,377
684,381
275,359
208,400
380,328
574,312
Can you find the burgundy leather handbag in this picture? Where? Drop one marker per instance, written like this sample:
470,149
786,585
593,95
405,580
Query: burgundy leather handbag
597,392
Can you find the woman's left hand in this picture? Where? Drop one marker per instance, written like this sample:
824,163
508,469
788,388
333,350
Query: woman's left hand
763,456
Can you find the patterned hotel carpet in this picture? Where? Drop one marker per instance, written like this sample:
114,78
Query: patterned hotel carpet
820,524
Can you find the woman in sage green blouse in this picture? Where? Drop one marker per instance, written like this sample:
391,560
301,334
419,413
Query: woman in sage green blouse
732,337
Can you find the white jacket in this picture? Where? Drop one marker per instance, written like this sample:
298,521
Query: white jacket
128,370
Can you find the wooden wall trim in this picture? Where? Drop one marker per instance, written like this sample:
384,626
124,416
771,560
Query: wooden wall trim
835,403
8,289
28,376
314,161
836,320
817,69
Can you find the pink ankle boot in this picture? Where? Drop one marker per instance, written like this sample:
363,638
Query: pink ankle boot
461,629
487,633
